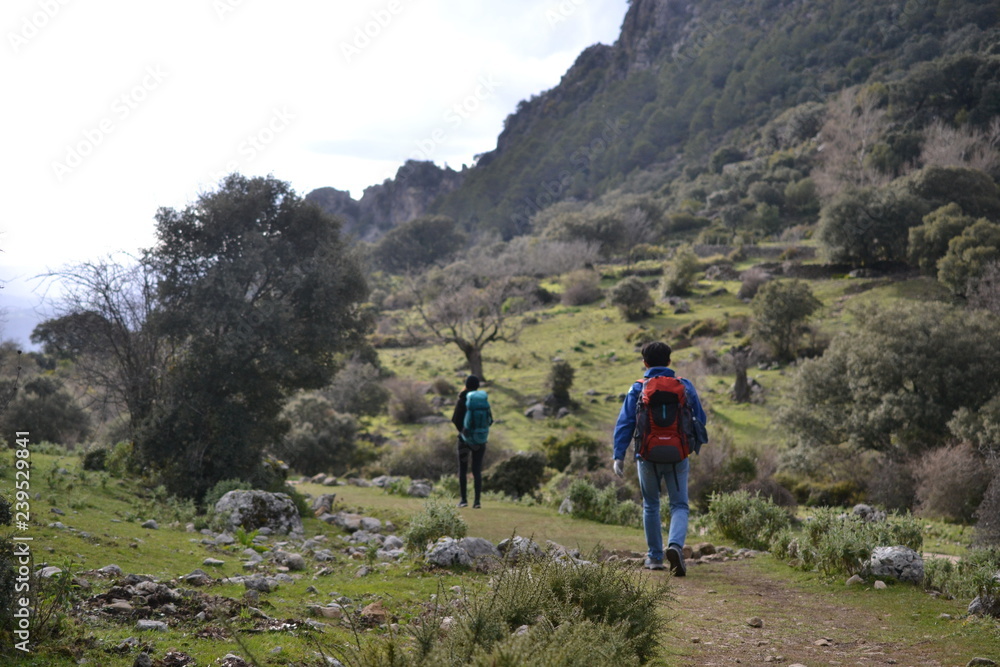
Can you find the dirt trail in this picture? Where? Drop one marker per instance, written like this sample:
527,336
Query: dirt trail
715,602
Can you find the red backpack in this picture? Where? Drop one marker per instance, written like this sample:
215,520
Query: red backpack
661,413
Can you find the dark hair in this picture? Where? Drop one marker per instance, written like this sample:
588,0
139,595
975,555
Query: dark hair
472,383
656,353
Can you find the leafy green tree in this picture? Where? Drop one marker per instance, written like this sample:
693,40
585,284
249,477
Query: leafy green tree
259,293
48,411
969,254
896,380
680,274
780,308
929,241
868,225
560,380
418,243
632,298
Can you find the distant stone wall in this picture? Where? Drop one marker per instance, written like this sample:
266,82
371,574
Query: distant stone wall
762,252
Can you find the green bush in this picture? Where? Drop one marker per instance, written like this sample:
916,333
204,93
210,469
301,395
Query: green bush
517,476
576,615
971,576
95,459
839,543
602,505
747,520
558,452
632,298
121,460
436,520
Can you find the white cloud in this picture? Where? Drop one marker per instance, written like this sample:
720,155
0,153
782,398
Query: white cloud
163,97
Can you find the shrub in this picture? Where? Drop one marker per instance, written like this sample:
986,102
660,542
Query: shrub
437,519
602,505
358,389
770,489
95,459
408,401
841,543
559,452
748,520
573,615
719,469
121,460
752,279
988,526
969,577
581,288
631,297
560,380
517,476
951,482
891,485
320,439
680,274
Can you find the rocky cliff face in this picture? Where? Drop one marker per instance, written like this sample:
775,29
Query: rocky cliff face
396,200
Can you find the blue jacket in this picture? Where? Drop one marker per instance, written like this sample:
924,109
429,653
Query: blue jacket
626,418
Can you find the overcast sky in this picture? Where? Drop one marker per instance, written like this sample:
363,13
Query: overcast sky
118,107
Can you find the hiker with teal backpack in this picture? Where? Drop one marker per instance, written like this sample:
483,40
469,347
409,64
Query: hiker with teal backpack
472,418
663,418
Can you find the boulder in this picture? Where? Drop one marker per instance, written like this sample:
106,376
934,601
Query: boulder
900,563
419,489
479,548
447,552
259,509
519,547
536,411
985,605
323,504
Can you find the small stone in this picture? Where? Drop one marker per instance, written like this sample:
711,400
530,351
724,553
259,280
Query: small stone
142,660
945,617
880,585
49,572
696,640
56,510
145,624
213,562
822,642
119,607
447,622
755,622
151,524
980,662
855,580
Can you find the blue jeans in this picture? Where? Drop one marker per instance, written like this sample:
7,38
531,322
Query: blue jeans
675,476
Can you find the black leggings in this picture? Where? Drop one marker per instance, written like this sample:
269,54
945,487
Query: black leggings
463,470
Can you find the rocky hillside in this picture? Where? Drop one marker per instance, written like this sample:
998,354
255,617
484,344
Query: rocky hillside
683,80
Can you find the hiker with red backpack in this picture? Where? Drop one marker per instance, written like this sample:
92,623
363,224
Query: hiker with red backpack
663,417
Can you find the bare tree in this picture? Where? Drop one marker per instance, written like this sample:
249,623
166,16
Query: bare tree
946,146
470,317
103,324
854,123
985,290
636,229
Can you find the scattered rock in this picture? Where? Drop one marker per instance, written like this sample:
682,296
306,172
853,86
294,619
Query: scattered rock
49,572
197,578
213,562
479,548
419,489
900,563
142,660
536,411
518,547
980,662
868,513
146,624
323,504
256,509
111,571
880,585
151,524
755,622
447,552
985,605
822,642
855,580
375,612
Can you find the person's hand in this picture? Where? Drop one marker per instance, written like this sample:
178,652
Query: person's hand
619,467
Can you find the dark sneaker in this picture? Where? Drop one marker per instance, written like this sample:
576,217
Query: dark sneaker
476,506
463,504
653,564
676,559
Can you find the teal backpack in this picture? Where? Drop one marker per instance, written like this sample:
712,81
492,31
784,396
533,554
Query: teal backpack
478,417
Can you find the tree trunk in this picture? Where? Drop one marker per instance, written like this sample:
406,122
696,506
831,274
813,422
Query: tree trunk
741,389
474,356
